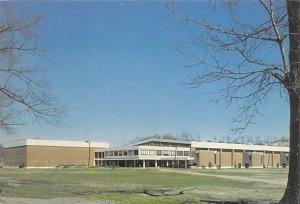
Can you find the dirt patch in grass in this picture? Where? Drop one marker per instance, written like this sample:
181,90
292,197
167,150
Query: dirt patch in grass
12,200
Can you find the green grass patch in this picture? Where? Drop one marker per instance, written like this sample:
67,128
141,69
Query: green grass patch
129,185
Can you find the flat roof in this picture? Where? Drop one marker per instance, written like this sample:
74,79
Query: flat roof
145,147
101,145
217,145
161,140
53,143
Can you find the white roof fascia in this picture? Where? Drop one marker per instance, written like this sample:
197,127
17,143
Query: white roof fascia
216,145
161,140
56,143
146,148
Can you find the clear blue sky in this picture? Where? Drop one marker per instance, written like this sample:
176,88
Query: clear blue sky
122,80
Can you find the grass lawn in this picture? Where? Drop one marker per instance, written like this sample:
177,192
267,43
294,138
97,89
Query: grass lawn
128,185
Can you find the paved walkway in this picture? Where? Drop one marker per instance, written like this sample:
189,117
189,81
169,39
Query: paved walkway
75,200
239,178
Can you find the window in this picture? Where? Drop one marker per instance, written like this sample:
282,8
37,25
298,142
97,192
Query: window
172,153
130,152
106,153
179,153
136,152
287,157
250,157
120,153
158,152
115,153
144,152
111,153
165,153
98,155
215,158
125,153
186,153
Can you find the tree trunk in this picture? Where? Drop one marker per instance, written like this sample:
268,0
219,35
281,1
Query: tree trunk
292,192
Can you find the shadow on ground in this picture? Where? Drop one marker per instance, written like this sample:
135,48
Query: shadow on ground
236,202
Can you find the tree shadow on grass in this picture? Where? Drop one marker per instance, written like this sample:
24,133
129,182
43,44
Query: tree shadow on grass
236,202
167,193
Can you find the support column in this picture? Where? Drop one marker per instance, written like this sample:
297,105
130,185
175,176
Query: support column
133,163
280,160
264,152
243,161
155,163
232,158
185,164
144,165
220,159
125,163
273,159
198,162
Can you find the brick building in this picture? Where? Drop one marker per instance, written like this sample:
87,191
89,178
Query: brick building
33,153
227,155
176,153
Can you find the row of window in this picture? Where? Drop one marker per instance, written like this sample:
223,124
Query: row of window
121,153
142,152
164,153
99,155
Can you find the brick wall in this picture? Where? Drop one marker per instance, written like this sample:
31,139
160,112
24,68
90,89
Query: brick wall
209,157
42,156
256,159
46,156
15,156
276,159
268,159
238,158
226,159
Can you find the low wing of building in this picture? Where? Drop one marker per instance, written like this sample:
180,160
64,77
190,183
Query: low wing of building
32,153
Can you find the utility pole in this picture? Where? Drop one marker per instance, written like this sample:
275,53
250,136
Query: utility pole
89,157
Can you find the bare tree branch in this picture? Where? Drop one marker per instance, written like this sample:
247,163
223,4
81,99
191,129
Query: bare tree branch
230,55
21,89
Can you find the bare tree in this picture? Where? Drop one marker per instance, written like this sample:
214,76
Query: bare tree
23,91
237,58
257,140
